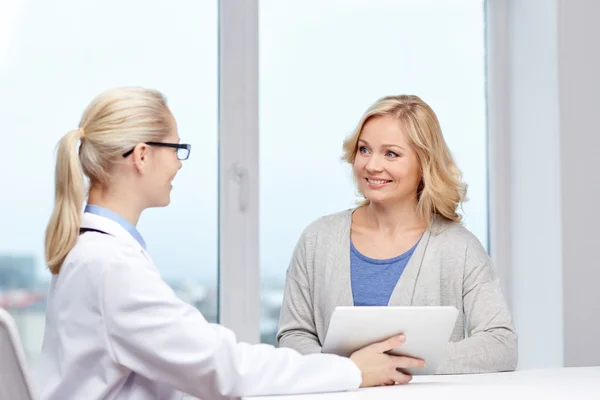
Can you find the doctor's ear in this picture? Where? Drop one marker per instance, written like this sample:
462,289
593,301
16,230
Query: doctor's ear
140,155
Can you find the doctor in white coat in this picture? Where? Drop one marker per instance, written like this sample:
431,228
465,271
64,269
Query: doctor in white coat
114,328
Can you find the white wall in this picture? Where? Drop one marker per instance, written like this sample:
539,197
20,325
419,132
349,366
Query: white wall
542,76
579,88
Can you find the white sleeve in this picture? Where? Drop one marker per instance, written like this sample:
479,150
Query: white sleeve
153,333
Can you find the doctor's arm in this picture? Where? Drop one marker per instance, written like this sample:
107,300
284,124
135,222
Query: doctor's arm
296,323
153,333
491,345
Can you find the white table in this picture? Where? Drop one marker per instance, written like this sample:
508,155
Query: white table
543,384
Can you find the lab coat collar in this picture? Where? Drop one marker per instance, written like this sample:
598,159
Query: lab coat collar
105,212
94,221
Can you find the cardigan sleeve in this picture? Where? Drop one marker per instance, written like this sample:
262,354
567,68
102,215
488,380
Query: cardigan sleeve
297,328
491,343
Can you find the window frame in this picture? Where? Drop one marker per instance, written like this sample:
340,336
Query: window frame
239,264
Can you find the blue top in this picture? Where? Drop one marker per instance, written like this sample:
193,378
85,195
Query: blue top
128,226
373,280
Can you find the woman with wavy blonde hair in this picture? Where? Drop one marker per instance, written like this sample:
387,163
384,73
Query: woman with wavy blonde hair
404,245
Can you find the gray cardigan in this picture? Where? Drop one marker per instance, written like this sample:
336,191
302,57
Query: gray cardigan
448,267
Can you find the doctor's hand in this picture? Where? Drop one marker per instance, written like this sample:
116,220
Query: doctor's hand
379,368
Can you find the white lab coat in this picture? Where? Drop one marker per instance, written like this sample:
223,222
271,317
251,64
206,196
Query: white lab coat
116,330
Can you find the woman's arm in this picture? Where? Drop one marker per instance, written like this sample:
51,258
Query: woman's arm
296,324
491,344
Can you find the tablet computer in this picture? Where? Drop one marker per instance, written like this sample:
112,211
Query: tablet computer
427,331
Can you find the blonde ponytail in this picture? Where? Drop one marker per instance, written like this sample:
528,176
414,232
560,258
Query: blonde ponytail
63,228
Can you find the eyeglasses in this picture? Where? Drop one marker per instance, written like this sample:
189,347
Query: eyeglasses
183,150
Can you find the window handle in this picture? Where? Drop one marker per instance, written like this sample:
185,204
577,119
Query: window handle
240,175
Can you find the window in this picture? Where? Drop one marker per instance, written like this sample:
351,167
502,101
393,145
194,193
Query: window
321,65
53,59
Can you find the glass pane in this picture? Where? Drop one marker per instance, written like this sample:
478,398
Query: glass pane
322,63
56,56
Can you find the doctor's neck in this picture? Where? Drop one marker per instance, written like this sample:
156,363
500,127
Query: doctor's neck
118,201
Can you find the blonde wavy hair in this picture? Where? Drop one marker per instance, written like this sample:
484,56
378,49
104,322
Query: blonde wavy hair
113,123
441,190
